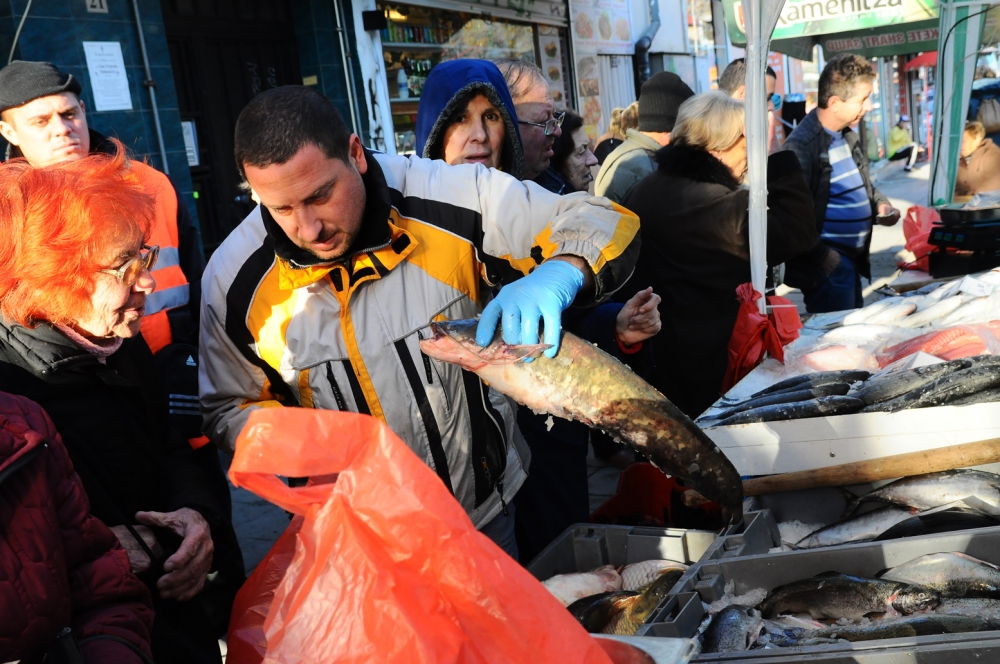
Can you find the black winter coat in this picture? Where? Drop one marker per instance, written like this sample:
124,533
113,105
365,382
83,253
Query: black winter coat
695,252
113,420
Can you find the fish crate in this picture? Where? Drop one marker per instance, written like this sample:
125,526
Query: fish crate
708,581
768,448
756,534
585,546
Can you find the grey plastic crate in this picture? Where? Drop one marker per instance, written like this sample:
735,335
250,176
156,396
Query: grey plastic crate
586,546
707,582
757,533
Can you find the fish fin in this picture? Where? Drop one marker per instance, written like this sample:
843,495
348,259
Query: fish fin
878,574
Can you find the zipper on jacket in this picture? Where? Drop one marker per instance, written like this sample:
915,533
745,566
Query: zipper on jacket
341,404
28,457
427,361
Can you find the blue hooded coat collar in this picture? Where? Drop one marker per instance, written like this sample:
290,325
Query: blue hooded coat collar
447,91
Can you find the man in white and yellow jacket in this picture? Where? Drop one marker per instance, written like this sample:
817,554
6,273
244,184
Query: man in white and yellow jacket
319,298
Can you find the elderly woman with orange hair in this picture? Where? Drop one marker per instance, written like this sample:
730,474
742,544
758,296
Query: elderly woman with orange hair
74,278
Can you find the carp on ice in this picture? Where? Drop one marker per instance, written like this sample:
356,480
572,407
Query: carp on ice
585,384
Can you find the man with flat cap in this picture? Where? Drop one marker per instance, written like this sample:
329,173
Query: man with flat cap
45,121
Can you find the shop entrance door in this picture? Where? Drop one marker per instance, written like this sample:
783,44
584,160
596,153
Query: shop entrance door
223,53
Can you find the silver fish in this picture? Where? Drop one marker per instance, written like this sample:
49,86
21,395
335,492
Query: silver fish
585,384
862,528
980,607
919,625
835,596
950,574
734,629
923,492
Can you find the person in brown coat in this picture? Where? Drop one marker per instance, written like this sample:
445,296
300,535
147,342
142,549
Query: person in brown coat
979,167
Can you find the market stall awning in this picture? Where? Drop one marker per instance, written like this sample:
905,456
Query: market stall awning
928,59
867,27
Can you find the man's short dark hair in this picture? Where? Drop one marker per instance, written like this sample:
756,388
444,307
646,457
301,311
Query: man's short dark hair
841,77
276,124
735,75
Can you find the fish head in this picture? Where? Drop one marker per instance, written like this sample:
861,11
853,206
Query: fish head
455,342
734,629
914,599
656,592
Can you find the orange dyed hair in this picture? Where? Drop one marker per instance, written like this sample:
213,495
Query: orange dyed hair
59,225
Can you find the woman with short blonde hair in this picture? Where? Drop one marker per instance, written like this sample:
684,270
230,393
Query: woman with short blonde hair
695,241
713,122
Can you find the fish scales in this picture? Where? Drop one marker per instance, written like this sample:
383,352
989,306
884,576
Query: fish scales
641,574
883,388
631,612
862,528
836,596
951,574
942,390
833,389
734,629
823,406
817,379
936,489
585,384
595,611
922,625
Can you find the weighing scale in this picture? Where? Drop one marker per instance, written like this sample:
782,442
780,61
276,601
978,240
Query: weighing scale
973,232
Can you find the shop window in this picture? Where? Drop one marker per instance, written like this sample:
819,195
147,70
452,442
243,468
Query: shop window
418,38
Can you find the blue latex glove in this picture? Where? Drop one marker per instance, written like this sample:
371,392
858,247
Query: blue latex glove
543,294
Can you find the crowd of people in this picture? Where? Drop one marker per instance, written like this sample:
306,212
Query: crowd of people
126,362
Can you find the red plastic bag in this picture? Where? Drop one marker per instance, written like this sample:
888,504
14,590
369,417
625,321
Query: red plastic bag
917,229
784,315
245,642
388,567
753,335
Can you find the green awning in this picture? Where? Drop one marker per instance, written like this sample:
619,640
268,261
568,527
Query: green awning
868,27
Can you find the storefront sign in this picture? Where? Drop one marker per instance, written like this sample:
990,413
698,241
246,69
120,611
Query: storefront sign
601,26
883,42
108,81
805,18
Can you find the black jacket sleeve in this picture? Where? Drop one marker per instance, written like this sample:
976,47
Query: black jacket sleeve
192,258
791,224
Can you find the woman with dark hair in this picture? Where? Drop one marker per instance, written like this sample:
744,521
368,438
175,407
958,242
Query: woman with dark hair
572,157
74,281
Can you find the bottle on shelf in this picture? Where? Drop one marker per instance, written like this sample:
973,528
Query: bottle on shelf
401,81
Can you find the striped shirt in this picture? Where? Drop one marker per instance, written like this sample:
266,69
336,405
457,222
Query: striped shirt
848,220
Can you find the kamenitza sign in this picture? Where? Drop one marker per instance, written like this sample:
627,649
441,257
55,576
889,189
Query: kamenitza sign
809,18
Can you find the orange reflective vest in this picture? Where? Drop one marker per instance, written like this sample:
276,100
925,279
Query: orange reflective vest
172,289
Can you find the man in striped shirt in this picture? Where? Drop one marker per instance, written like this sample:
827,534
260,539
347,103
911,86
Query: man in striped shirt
846,202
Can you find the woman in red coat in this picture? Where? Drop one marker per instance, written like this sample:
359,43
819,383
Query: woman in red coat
59,566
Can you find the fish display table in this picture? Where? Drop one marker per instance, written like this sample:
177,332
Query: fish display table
767,448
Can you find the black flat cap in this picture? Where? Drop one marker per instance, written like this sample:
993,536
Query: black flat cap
22,81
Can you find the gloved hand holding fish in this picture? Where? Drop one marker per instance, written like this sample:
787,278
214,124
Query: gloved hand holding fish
585,384
938,593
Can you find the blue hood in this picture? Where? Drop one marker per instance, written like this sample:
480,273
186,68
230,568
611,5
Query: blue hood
447,91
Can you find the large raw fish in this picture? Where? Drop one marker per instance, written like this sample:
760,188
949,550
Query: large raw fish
585,384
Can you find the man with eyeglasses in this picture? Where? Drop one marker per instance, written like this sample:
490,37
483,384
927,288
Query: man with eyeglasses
45,121
630,162
539,123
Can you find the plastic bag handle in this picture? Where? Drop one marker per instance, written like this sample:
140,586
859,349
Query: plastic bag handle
307,451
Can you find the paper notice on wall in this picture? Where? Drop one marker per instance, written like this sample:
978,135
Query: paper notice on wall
108,81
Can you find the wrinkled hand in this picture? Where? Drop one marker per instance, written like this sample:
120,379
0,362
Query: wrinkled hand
137,558
639,319
544,294
888,215
187,568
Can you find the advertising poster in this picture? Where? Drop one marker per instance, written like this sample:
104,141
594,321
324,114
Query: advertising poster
553,63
